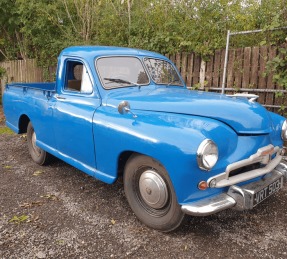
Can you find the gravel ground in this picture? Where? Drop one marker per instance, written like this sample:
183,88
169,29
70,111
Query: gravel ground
59,212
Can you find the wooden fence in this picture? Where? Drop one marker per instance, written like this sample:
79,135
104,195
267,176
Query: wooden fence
245,70
26,71
245,73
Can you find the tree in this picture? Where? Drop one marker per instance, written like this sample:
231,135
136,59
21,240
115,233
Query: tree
41,28
12,41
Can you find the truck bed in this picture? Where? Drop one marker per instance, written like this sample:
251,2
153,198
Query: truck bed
23,99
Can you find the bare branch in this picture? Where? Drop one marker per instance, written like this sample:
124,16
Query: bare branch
70,17
21,46
2,52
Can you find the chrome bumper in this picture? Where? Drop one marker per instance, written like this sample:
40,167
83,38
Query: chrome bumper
262,156
240,198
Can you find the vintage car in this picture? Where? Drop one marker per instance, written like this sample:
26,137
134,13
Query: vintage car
115,111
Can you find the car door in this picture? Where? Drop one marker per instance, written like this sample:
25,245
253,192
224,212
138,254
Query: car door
74,108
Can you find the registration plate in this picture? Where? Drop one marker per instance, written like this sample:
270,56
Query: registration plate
267,191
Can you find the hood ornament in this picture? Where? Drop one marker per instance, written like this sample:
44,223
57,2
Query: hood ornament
124,108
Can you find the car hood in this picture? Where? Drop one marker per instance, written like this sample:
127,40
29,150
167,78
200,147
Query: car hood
243,116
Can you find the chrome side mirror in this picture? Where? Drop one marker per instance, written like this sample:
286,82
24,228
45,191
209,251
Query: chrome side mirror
124,108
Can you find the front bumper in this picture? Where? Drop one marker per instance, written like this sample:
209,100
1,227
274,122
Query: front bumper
240,198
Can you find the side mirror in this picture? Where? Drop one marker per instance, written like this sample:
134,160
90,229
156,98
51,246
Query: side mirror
124,108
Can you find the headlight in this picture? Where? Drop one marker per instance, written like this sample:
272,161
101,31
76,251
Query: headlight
207,154
284,131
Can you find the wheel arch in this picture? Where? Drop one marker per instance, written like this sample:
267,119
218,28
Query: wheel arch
23,123
125,156
122,161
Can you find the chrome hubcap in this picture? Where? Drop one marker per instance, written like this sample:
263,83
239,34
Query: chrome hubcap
153,189
36,149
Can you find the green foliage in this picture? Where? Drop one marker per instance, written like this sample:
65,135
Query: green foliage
42,28
10,36
19,219
282,111
278,66
2,72
5,130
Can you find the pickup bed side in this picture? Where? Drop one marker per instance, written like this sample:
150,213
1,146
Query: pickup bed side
63,124
18,100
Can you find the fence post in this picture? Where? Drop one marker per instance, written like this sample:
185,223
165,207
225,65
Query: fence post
225,62
202,74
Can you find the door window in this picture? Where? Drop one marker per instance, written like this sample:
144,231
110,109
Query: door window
77,78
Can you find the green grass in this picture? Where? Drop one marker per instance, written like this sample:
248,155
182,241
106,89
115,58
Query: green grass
5,130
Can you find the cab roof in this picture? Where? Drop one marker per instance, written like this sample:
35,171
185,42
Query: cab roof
96,51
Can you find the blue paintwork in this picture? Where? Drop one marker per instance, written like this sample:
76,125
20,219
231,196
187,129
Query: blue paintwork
87,131
183,101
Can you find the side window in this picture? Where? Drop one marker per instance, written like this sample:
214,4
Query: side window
77,78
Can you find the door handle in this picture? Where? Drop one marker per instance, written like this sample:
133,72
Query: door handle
60,97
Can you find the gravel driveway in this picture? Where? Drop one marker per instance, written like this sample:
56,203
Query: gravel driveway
59,212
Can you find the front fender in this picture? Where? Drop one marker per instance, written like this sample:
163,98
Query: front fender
171,139
277,123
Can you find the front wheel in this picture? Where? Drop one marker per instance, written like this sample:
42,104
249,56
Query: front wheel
150,194
38,155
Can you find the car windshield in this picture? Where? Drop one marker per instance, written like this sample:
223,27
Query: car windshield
118,72
162,72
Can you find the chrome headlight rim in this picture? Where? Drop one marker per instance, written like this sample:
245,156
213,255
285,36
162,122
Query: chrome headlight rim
284,131
201,153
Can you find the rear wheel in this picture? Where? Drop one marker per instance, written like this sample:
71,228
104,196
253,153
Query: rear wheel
150,194
38,155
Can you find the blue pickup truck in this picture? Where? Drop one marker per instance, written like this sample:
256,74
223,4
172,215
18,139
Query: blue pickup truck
120,111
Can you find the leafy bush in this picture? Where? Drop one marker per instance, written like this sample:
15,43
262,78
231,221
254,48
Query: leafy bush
278,67
42,28
2,72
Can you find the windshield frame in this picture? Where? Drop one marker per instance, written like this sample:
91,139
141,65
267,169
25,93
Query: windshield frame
172,65
120,86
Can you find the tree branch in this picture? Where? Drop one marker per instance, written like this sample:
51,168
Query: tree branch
70,17
2,52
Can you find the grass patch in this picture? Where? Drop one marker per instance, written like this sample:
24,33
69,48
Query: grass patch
5,130
19,219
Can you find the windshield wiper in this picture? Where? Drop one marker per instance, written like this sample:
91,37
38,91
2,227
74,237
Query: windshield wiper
121,81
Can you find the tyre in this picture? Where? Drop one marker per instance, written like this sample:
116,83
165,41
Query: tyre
38,155
150,194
